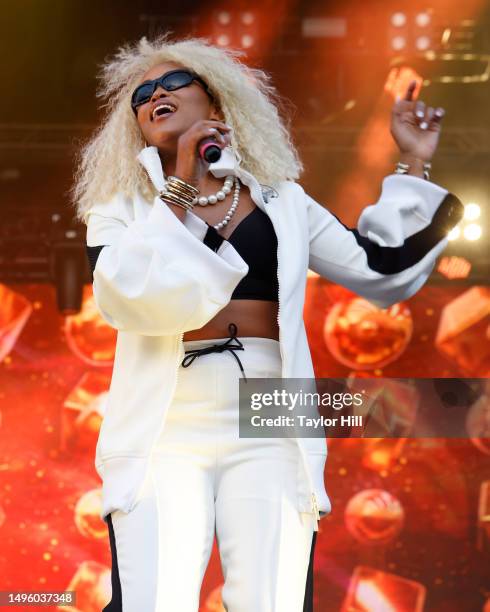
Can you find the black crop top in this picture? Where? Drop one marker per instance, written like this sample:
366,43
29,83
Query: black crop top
255,240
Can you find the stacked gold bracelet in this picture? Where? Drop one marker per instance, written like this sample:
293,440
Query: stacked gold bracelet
178,192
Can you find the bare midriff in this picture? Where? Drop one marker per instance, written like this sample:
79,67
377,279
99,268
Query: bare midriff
252,317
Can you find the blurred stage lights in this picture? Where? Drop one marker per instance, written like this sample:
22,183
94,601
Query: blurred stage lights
422,43
235,29
410,32
422,20
398,20
455,233
247,41
223,40
398,43
247,18
471,231
224,18
471,211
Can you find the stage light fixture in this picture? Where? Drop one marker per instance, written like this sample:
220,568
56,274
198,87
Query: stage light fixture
410,32
422,19
247,18
398,43
472,231
223,40
472,211
455,233
422,43
247,41
237,29
224,18
398,20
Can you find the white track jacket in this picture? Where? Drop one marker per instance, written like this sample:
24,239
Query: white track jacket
154,279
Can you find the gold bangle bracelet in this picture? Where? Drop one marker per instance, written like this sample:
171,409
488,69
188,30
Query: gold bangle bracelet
187,186
171,198
174,196
178,191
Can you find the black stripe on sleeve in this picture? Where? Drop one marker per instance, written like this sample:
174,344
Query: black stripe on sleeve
93,253
392,260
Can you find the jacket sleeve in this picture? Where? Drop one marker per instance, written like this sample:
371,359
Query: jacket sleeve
159,276
393,251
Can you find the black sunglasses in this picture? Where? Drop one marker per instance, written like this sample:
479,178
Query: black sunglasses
170,81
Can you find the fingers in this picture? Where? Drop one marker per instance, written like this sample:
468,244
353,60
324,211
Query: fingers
427,116
410,91
438,114
224,139
424,124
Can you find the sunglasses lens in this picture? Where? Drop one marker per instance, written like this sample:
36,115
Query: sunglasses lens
170,82
177,80
142,94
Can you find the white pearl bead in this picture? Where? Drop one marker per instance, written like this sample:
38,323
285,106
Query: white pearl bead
203,201
212,199
226,190
221,195
228,217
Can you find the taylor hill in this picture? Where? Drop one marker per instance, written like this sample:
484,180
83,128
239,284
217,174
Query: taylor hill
354,420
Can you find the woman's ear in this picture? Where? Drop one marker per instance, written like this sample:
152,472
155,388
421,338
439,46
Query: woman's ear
216,112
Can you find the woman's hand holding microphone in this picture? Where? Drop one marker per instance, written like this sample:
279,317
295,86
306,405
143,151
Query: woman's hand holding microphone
191,165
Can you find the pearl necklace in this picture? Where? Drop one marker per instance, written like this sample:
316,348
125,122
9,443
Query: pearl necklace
231,210
219,195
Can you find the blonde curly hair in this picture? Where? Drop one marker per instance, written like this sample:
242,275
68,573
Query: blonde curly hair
106,162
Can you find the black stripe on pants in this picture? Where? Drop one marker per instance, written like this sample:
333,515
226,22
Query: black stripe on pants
308,603
115,605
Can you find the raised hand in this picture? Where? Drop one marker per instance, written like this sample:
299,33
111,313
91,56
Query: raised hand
416,127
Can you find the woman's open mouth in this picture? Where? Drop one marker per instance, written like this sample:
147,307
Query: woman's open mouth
163,111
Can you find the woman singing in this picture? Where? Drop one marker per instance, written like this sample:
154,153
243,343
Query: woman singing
201,266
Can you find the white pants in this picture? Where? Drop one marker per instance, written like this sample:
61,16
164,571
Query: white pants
205,480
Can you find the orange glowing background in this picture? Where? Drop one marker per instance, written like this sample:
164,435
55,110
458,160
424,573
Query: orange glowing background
409,530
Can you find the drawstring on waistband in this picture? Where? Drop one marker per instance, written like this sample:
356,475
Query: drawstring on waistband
218,348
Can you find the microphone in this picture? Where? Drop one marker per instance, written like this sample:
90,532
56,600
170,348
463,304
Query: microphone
209,150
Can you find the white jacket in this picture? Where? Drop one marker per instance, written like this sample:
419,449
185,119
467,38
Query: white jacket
157,279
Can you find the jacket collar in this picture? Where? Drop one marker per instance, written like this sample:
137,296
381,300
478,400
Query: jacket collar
150,159
227,164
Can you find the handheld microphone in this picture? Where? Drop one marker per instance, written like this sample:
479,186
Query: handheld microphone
209,150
